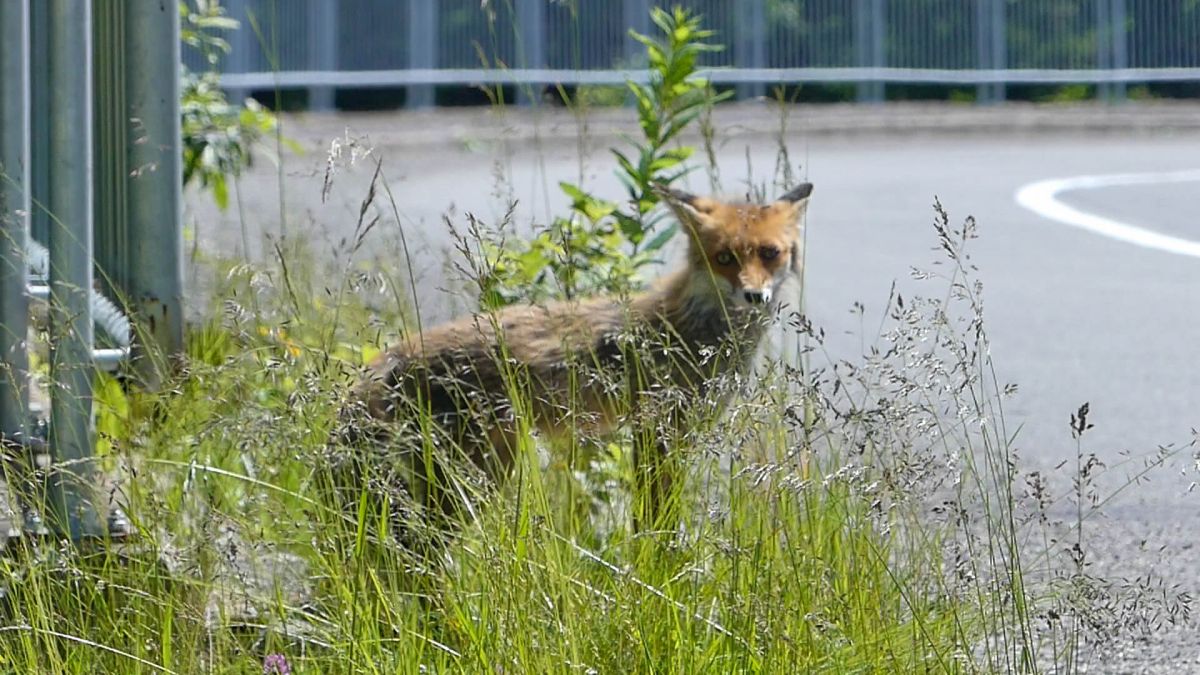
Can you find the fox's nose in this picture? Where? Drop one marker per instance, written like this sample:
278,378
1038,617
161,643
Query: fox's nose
757,297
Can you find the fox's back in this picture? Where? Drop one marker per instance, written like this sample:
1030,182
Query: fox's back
481,358
571,357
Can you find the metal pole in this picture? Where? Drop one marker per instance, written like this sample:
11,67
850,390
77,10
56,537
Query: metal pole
238,59
868,45
1103,46
983,48
1120,45
155,228
636,15
69,202
39,125
323,40
999,47
14,217
862,46
879,56
751,52
531,22
422,45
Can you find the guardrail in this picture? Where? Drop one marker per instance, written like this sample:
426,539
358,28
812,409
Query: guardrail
65,175
323,45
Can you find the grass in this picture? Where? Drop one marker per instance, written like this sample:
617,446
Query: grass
837,517
789,568
841,516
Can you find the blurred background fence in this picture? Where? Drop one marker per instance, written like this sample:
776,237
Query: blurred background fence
873,49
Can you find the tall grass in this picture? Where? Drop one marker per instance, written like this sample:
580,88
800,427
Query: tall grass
843,516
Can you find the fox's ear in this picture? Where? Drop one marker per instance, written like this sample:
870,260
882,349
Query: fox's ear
796,199
689,208
797,194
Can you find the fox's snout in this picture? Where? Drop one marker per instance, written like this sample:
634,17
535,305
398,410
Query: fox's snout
759,296
757,286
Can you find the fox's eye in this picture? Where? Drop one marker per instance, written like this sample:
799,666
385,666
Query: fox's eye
768,252
725,257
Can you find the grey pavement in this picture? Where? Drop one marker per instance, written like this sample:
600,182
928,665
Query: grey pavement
1073,316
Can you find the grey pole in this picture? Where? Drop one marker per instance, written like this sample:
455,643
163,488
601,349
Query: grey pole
868,45
636,15
751,50
154,230
990,49
1120,45
14,216
983,48
1103,46
39,124
999,47
69,202
862,45
531,22
878,48
238,59
422,46
323,40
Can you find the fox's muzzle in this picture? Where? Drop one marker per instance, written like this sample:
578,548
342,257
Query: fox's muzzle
757,297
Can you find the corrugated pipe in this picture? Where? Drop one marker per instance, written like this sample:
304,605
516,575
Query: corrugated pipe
105,313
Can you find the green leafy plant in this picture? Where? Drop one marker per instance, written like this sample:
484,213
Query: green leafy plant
602,245
218,136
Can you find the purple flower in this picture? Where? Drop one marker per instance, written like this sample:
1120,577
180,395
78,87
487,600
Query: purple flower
276,663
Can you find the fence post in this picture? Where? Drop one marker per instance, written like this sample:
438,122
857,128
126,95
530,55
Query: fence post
323,41
238,59
991,52
39,222
1103,46
999,45
531,26
983,51
69,203
422,45
636,14
1120,46
750,21
869,46
14,217
154,234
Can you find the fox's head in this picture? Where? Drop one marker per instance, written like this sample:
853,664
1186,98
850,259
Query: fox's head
747,249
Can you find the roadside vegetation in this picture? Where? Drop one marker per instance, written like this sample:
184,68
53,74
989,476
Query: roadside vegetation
865,516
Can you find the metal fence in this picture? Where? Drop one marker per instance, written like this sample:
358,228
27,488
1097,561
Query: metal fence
90,188
326,44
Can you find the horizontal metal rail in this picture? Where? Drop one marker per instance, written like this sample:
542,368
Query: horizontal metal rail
452,76
108,359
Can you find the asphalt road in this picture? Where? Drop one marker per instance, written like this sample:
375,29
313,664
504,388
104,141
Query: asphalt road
1073,316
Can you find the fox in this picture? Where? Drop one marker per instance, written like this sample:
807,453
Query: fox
440,414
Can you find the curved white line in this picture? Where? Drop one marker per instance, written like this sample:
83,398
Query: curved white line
1042,198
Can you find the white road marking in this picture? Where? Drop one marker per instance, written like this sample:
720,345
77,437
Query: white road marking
1042,198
